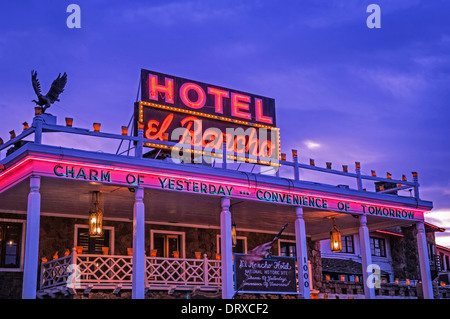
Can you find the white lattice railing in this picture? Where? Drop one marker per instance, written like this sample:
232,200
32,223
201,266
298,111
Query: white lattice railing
56,272
101,270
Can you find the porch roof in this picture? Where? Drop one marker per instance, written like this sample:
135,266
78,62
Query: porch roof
66,196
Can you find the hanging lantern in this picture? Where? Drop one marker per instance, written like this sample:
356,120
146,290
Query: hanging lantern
335,239
233,235
95,217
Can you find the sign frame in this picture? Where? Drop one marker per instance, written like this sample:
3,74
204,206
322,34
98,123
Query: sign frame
272,260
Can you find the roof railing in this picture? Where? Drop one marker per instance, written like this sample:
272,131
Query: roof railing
41,124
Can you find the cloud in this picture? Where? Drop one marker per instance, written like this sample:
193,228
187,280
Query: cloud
173,13
311,145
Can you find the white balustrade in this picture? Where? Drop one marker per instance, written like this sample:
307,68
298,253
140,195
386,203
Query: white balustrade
110,270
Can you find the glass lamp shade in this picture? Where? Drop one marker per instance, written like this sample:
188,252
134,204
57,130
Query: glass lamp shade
233,235
335,239
96,222
95,217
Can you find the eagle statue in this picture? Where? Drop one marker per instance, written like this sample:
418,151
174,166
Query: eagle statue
44,101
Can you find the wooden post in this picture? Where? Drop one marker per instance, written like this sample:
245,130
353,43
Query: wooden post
139,273
424,261
140,142
226,249
302,254
31,257
366,258
205,270
224,156
358,178
38,120
296,169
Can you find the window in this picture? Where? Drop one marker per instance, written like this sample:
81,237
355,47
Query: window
378,247
166,243
241,245
347,244
94,245
287,249
10,244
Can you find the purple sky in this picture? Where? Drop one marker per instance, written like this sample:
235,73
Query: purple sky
343,92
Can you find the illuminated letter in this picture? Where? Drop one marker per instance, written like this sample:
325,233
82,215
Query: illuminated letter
154,88
236,105
201,97
56,173
218,98
259,113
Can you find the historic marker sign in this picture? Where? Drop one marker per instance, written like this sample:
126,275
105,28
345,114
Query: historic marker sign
207,115
276,275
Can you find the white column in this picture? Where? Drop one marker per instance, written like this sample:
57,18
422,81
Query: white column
366,256
30,267
302,254
424,262
226,249
139,273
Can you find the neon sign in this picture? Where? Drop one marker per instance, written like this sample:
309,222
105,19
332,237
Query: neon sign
208,116
210,99
208,185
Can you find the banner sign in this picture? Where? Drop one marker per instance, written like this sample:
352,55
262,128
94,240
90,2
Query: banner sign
273,275
214,186
204,115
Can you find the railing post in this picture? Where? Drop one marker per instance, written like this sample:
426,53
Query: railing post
37,123
416,185
224,156
140,142
358,177
205,269
295,160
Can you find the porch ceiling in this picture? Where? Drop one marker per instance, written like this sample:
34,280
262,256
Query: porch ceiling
72,198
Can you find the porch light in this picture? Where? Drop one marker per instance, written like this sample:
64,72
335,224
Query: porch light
233,235
95,217
69,121
335,239
97,127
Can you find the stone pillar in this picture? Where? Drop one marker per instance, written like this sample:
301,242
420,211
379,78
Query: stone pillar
424,262
139,273
226,249
366,256
302,254
31,257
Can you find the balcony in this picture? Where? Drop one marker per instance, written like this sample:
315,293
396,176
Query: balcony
84,272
